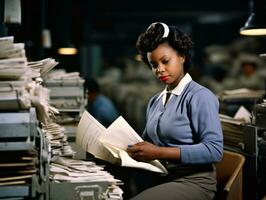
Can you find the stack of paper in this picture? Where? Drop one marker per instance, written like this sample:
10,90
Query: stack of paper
18,87
57,139
9,49
76,171
13,62
13,82
62,74
241,94
14,95
44,66
71,170
17,167
67,90
13,68
232,131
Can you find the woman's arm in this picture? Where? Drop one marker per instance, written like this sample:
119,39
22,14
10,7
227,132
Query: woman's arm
206,126
146,151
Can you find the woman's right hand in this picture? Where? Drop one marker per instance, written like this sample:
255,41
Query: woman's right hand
143,151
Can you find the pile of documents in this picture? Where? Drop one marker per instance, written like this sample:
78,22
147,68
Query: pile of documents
232,131
241,94
21,88
18,86
43,66
55,135
77,171
17,167
13,67
71,170
14,64
67,91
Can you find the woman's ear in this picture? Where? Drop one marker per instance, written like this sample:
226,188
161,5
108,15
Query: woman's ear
183,59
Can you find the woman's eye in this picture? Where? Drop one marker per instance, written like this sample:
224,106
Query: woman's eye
165,62
154,66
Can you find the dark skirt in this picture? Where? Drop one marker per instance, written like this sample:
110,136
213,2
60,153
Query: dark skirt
183,182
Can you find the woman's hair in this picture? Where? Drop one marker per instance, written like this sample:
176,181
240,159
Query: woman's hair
155,35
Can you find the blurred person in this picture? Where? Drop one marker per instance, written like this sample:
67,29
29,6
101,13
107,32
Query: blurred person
246,73
249,77
183,128
98,105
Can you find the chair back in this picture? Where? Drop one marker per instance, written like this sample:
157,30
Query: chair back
229,176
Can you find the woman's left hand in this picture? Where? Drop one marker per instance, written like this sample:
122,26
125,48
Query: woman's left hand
144,151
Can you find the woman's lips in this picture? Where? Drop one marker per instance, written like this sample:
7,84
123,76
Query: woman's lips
163,78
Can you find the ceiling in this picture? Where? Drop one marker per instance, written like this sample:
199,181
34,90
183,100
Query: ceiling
115,25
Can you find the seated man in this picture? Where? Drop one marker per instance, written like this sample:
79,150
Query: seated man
98,105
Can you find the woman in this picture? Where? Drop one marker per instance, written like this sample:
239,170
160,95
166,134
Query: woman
183,129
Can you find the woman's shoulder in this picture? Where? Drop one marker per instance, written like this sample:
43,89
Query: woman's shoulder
155,97
197,90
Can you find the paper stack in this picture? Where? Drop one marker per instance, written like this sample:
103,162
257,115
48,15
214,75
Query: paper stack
241,94
55,135
21,88
86,172
67,91
17,167
13,67
232,131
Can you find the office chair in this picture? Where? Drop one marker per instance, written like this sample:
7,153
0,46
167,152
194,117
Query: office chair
229,176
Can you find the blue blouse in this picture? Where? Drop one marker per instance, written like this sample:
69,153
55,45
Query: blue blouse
189,121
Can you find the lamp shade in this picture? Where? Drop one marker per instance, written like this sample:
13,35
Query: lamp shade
66,47
256,22
67,51
255,25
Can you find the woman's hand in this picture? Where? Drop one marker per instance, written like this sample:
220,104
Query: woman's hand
144,151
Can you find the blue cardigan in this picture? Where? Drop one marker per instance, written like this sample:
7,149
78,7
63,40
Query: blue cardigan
189,121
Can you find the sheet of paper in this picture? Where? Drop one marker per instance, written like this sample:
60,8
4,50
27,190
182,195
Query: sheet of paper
88,132
120,134
243,113
113,150
127,161
110,144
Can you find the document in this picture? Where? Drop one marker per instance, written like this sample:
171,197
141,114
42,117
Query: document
244,114
110,143
71,170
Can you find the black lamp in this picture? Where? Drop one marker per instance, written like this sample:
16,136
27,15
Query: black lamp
256,22
65,29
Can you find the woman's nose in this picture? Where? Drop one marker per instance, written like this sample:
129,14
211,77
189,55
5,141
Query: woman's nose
160,68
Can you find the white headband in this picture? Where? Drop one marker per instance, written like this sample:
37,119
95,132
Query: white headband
166,28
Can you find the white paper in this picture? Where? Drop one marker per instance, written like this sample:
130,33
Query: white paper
120,134
88,132
154,166
243,113
110,144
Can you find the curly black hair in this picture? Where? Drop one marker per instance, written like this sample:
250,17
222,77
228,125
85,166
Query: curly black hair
152,38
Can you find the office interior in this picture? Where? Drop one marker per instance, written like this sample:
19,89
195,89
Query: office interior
40,114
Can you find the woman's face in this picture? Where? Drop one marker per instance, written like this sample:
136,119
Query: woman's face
167,65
